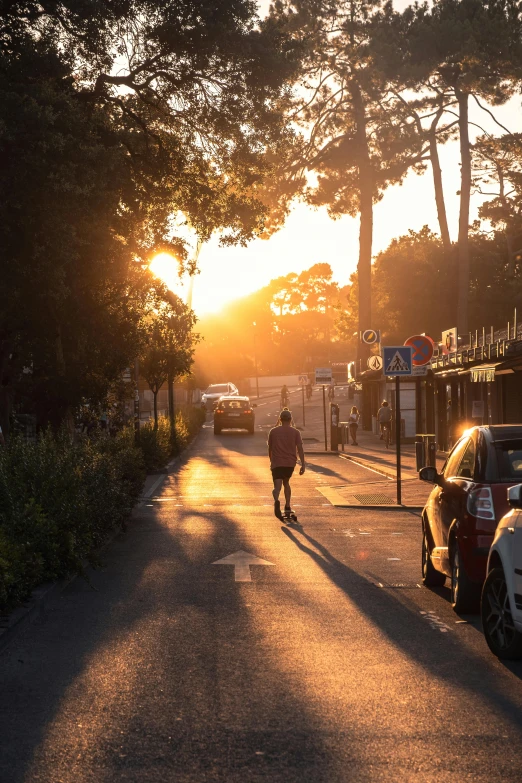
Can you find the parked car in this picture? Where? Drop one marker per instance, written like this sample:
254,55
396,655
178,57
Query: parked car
463,510
234,412
501,603
211,395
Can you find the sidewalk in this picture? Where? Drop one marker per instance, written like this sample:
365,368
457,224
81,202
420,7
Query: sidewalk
371,452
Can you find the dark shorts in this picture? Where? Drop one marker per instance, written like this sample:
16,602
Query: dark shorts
282,473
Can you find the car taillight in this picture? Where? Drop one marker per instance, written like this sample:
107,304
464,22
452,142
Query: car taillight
219,410
480,503
247,410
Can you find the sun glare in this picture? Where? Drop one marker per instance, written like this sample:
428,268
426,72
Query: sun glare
165,266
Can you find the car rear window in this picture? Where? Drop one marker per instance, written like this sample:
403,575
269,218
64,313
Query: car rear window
510,460
235,404
217,388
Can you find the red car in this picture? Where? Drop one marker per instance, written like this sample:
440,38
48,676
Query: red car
463,510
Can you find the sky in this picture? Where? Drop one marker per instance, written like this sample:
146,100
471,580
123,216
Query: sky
310,236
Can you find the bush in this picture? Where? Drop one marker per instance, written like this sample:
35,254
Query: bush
158,446
58,502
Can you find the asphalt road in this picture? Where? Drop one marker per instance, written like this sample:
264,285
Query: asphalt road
331,664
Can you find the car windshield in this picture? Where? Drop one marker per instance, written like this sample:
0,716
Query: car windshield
217,388
510,460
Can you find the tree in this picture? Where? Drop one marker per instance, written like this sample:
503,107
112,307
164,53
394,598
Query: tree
473,49
497,163
120,116
412,278
291,335
168,350
353,138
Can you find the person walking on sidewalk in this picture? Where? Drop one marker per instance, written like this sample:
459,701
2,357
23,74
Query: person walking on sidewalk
353,424
284,443
384,417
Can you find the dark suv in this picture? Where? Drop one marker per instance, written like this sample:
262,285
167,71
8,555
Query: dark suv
464,508
234,412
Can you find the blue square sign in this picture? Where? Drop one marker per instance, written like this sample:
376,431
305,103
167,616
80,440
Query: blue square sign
397,360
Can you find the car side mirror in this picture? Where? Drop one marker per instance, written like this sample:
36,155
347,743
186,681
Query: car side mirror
429,474
515,496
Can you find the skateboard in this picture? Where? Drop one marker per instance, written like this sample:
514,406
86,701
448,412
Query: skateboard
289,515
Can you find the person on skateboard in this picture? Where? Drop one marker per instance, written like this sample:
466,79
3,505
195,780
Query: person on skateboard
284,444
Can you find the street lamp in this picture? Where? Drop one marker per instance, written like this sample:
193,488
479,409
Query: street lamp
255,360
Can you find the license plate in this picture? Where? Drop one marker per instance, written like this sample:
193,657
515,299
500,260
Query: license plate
234,414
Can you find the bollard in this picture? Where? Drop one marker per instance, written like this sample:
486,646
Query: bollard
419,451
431,451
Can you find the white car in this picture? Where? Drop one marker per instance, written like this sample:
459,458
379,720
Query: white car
215,391
501,603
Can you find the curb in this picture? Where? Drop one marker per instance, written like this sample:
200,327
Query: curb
391,474
369,507
13,623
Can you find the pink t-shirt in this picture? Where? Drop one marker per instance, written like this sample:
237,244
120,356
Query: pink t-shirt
283,442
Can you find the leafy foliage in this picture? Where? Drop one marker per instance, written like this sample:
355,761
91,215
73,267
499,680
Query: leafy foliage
58,501
288,326
118,122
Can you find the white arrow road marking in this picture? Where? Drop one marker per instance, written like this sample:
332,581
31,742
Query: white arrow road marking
242,561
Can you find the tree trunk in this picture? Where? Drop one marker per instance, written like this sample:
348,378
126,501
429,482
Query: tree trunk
66,414
155,393
364,266
509,227
465,195
439,192
5,396
172,412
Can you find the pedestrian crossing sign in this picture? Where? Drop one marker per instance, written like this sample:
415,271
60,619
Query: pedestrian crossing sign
397,360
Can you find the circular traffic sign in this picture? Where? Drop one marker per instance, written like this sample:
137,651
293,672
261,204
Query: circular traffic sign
422,349
370,336
375,363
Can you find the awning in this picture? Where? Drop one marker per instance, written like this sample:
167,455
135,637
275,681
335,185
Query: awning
484,373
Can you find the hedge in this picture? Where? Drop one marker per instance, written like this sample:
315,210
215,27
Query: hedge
59,499
157,444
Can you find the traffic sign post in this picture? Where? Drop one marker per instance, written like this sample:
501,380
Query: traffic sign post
303,380
398,436
324,417
371,336
422,349
323,375
375,363
398,361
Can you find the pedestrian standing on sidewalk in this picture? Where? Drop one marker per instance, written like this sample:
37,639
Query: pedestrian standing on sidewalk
284,444
353,424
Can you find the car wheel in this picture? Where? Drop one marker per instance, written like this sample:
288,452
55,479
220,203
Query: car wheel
464,593
217,430
430,576
502,637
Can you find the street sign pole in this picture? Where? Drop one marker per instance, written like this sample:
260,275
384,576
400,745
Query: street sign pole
324,416
398,436
302,389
